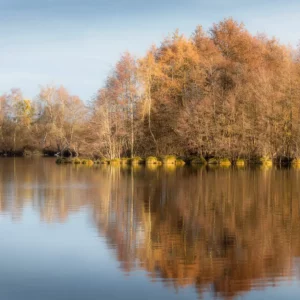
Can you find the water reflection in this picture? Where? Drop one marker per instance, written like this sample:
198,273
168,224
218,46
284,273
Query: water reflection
224,230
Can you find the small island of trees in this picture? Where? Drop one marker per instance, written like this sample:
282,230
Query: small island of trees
224,94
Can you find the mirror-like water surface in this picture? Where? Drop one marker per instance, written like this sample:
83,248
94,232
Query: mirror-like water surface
73,232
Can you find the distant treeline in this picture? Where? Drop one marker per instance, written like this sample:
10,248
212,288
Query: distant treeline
221,93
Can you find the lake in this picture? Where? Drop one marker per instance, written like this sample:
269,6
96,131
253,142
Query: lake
77,232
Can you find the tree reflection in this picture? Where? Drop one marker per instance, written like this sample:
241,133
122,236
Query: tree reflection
227,230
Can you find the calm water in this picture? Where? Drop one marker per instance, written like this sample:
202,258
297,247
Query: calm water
73,232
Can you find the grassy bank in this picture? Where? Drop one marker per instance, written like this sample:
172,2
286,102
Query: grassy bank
173,160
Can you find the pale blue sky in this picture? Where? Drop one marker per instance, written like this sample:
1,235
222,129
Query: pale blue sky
76,42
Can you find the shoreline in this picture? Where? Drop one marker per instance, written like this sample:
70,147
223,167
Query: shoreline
159,160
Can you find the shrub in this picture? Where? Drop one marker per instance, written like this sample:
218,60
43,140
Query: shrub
125,160
151,160
169,160
29,153
225,162
87,162
136,160
104,161
37,153
198,161
115,161
212,161
180,162
76,160
240,162
266,161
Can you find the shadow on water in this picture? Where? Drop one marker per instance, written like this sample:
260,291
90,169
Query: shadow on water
227,230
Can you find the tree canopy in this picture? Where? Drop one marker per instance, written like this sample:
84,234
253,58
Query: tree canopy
222,93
